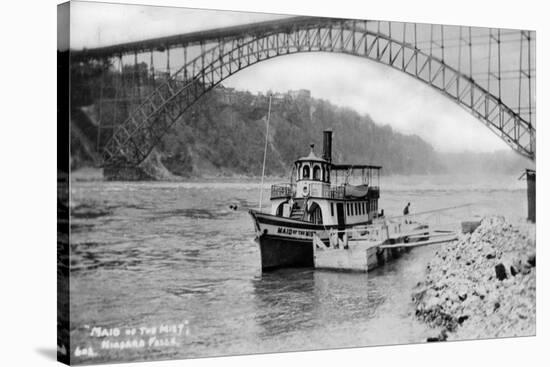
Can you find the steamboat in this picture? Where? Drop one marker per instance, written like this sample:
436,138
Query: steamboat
323,200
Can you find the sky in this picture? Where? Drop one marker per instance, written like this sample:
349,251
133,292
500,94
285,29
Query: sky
388,96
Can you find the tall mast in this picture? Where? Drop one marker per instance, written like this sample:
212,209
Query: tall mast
265,153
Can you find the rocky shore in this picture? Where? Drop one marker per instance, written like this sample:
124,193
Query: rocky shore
483,285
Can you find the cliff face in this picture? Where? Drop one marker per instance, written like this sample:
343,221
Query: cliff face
83,140
225,133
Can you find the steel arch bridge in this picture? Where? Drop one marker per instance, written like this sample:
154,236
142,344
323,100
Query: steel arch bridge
488,72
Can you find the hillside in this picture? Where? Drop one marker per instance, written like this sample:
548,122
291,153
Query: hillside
224,134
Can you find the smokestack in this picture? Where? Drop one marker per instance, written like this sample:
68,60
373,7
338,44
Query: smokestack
327,145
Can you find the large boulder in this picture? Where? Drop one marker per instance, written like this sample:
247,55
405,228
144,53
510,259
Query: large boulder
500,271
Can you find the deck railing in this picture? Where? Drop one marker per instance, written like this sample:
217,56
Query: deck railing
321,190
282,190
317,190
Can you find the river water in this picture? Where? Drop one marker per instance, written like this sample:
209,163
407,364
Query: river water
173,253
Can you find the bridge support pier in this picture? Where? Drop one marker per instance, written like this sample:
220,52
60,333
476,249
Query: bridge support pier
125,173
531,195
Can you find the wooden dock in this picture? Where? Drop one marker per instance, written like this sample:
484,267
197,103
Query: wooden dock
365,248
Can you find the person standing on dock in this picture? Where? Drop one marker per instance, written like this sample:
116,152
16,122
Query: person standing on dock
406,211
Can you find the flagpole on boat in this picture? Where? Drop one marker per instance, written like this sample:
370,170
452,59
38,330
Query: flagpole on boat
265,153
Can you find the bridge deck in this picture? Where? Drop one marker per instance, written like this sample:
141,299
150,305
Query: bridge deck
193,38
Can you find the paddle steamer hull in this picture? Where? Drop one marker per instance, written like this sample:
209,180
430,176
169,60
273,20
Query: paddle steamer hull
278,252
285,242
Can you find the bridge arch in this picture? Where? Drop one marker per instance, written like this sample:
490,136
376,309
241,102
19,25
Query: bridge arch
135,138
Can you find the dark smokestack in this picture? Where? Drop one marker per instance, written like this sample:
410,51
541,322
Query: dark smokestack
327,145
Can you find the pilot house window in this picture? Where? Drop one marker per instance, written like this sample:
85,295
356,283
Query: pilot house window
316,173
305,172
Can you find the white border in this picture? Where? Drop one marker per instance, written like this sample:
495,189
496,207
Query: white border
28,149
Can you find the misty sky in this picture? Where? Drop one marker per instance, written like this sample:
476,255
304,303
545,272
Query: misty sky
388,96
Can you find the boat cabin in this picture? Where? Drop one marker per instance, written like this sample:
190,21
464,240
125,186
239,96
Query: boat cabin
321,192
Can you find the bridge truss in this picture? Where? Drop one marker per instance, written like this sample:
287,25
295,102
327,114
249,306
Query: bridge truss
488,72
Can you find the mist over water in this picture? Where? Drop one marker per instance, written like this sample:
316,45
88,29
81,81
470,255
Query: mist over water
149,253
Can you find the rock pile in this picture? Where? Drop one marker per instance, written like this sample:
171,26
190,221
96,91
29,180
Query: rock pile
482,286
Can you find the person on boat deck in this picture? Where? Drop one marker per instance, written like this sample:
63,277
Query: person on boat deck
406,211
